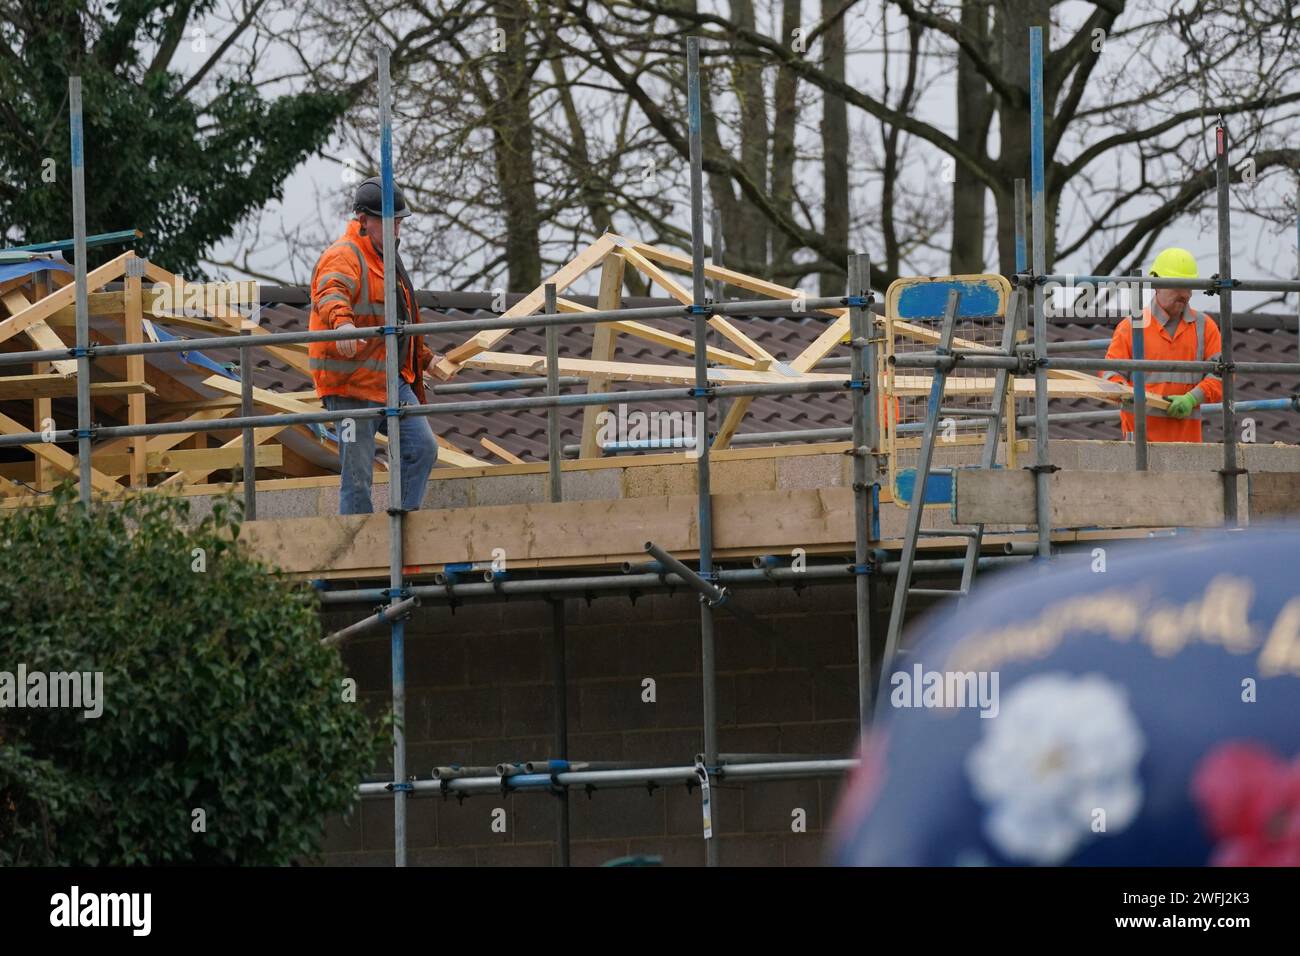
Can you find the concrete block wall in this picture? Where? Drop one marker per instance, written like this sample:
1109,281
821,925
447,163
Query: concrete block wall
479,692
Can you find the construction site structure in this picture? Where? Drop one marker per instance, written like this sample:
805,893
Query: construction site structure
932,355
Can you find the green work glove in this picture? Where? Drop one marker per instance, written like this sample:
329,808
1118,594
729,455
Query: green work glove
1180,406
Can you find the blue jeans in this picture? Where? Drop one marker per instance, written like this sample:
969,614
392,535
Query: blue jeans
357,457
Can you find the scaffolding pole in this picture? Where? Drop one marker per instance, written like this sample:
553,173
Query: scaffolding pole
863,452
1222,176
82,350
699,295
393,341
1042,466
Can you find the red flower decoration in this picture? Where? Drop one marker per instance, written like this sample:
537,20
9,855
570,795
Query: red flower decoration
1250,798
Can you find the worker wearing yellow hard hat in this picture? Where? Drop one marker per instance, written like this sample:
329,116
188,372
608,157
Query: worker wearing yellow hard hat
1172,331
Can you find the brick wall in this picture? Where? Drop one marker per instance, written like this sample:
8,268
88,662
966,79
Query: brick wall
479,692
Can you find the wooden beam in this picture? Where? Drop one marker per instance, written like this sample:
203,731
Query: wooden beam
42,412
658,336
678,292
41,335
59,458
196,475
453,457
231,401
133,324
564,277
604,343
42,310
636,372
261,396
1080,499
46,385
183,459
740,280
97,304
500,452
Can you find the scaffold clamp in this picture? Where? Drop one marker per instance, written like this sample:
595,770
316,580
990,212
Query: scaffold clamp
859,301
706,800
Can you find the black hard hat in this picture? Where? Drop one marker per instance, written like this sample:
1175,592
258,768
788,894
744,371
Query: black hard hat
370,198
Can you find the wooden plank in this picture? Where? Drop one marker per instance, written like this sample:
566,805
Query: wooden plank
650,334
261,396
603,345
133,324
637,371
42,412
195,475
500,452
183,459
59,458
42,310
1080,499
718,322
450,455
46,385
563,278
97,304
572,531
230,401
41,335
740,280
1274,494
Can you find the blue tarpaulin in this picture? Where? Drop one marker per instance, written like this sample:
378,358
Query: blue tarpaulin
16,270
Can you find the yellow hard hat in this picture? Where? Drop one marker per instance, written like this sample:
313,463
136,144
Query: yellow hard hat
1175,263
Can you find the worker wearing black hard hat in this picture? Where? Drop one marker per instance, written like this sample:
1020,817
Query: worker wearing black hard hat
347,289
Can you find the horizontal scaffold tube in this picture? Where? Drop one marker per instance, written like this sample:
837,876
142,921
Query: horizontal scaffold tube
631,777
621,583
443,408
967,358
236,341
1202,285
1112,414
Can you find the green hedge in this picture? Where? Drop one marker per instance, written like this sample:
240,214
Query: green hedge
217,695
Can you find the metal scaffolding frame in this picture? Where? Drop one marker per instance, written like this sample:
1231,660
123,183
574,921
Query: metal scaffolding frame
666,573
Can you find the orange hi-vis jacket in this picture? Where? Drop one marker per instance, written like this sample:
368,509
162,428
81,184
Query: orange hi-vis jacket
347,285
1195,338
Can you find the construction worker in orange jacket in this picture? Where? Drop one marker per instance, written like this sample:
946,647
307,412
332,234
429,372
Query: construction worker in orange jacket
347,291
1171,330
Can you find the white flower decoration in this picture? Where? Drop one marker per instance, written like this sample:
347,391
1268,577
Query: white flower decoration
1061,748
